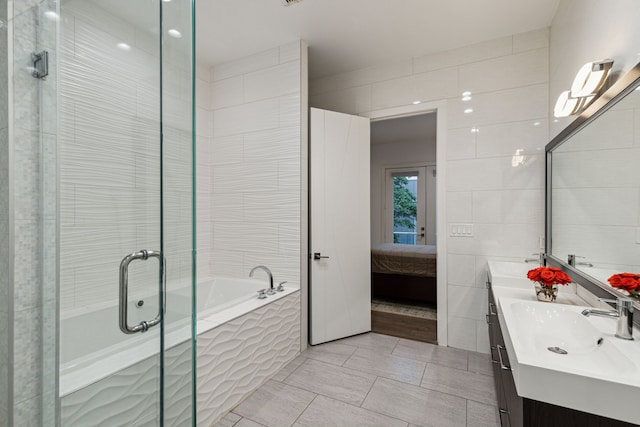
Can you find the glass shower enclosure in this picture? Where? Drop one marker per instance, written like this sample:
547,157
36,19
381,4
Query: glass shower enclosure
97,203
126,258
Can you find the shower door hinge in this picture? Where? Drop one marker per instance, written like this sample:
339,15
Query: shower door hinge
40,64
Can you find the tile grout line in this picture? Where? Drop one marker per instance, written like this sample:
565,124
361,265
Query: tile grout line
305,409
380,413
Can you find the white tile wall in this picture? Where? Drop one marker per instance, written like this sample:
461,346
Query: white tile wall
504,201
110,157
255,187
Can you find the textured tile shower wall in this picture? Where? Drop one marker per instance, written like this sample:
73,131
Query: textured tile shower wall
4,219
110,157
250,186
29,276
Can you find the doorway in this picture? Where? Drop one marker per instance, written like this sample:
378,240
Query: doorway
403,215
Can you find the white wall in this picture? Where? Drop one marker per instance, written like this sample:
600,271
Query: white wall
405,153
509,81
590,30
250,192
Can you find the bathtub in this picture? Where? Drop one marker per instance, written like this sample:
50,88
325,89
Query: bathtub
93,347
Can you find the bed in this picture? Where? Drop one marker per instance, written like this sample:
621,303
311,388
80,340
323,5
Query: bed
404,272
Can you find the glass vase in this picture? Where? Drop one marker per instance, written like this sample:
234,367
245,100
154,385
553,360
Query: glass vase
546,293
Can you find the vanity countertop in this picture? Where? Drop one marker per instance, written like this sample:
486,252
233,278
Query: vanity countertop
596,376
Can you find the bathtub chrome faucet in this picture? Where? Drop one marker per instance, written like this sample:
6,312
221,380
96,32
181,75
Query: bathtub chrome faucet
623,312
270,291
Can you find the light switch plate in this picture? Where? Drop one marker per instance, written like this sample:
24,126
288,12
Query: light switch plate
461,230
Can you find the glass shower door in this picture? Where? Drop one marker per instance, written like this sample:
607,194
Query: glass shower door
125,216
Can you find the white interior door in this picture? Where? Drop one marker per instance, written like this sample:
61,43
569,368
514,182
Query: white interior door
339,243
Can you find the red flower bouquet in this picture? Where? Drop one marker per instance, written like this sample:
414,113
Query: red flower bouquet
547,280
629,282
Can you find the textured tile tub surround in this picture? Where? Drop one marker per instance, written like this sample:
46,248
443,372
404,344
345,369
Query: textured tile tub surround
237,357
334,388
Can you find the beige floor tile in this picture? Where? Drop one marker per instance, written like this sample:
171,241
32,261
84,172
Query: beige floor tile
481,415
417,405
228,420
378,342
480,363
387,365
431,353
339,383
288,369
469,385
275,404
335,353
248,423
326,412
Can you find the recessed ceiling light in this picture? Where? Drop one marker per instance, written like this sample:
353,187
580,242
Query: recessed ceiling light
475,130
466,98
466,93
536,123
174,33
417,102
468,111
166,1
555,120
123,46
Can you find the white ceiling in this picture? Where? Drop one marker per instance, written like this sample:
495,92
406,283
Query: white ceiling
351,34
420,128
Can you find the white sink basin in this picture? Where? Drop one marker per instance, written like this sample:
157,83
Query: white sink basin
561,338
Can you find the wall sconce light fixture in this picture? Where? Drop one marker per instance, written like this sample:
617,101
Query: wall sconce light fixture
589,80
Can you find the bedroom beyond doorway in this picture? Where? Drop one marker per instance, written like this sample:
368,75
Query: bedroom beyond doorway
403,227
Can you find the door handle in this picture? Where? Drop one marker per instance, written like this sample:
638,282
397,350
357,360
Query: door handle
422,229
124,291
317,256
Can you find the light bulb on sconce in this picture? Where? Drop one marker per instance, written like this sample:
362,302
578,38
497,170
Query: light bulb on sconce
589,80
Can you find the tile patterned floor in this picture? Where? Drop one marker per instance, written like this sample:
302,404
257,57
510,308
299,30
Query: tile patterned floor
374,380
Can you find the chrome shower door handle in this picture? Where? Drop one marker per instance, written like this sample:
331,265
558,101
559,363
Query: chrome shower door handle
124,291
317,256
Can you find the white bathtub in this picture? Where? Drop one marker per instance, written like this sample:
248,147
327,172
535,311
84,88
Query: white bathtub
93,347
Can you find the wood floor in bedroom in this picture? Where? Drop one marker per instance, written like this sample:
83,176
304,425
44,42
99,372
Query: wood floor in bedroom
403,320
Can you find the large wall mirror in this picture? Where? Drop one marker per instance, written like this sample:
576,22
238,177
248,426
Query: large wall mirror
593,190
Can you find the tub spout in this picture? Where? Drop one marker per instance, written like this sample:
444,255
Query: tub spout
270,291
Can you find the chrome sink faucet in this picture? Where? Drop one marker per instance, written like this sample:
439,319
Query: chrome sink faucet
271,290
624,314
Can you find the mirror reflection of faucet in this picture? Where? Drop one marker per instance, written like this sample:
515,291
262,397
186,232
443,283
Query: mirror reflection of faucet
539,258
571,260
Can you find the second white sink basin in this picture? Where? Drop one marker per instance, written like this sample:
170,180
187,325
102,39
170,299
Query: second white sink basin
561,338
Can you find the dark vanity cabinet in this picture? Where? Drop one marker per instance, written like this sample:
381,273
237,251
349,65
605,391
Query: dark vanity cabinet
515,411
509,403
